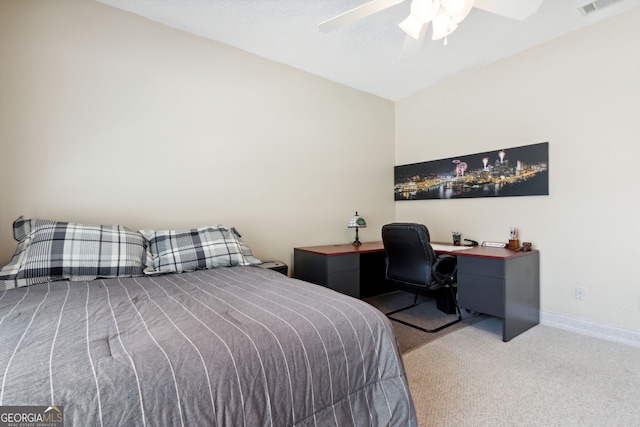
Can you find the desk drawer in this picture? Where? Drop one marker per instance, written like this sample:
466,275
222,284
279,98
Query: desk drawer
481,267
483,294
340,263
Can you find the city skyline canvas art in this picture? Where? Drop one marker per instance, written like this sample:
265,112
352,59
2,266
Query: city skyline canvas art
515,171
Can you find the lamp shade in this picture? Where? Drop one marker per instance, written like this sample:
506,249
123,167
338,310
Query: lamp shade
356,221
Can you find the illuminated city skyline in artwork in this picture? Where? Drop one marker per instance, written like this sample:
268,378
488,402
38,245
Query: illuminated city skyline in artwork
516,171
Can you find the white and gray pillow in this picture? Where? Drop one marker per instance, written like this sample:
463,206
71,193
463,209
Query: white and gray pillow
55,250
176,251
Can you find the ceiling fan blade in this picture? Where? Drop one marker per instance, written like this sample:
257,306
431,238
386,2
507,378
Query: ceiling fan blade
514,9
356,14
411,46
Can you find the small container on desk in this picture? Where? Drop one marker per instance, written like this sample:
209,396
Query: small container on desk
514,241
278,266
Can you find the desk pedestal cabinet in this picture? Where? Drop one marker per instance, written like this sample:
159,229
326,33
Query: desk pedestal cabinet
353,270
494,281
507,287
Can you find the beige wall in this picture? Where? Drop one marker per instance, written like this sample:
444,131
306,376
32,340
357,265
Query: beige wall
106,117
581,94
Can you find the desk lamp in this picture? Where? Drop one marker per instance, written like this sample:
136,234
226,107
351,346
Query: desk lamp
357,222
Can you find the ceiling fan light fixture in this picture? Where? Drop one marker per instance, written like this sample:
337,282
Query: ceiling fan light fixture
445,14
422,11
443,25
461,10
412,26
425,10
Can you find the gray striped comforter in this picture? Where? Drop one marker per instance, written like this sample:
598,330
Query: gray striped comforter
239,346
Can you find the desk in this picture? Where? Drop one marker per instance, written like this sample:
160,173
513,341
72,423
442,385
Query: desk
344,268
495,281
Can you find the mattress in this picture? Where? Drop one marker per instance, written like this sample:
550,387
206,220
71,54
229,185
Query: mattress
236,346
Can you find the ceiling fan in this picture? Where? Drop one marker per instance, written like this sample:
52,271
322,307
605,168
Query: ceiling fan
444,16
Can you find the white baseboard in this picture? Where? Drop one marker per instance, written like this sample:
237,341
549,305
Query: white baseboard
584,327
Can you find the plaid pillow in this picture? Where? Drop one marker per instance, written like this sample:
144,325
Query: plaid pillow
176,251
53,250
246,252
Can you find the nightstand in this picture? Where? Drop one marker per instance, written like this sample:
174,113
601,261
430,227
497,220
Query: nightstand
278,266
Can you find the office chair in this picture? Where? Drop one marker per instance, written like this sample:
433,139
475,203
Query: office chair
411,261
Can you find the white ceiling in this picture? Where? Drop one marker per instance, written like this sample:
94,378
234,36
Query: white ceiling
366,55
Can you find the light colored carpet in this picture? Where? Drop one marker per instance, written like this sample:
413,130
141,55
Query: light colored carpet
544,377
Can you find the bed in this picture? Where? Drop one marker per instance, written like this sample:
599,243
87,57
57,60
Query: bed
231,345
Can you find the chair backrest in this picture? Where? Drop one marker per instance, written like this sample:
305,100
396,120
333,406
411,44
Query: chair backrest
409,253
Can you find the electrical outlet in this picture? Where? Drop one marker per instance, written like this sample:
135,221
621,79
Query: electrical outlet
580,293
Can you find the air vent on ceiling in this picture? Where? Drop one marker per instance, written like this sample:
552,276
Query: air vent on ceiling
595,5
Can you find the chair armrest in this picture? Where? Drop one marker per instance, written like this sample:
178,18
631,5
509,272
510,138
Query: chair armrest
444,269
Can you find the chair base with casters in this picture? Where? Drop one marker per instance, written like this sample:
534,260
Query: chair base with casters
411,261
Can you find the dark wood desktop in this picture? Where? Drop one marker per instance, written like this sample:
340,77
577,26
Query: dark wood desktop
495,281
